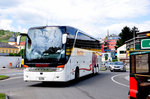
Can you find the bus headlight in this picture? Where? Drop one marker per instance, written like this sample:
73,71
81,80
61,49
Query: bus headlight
60,68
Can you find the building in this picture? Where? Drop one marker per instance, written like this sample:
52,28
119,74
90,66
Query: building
109,43
135,43
121,53
5,49
13,41
21,46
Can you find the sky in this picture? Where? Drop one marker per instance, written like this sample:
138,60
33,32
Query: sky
95,17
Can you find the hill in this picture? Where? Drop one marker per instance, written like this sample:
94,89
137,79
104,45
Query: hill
6,34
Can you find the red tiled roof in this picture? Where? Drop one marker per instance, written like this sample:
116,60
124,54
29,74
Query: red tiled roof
21,43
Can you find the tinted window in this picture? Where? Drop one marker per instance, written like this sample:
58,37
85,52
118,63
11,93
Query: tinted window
86,42
122,52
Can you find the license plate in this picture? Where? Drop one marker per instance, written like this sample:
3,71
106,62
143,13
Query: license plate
41,78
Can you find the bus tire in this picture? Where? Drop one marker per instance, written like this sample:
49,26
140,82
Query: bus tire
77,74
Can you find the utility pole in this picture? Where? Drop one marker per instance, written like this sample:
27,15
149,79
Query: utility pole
134,38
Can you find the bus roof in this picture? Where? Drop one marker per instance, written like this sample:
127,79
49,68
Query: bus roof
67,27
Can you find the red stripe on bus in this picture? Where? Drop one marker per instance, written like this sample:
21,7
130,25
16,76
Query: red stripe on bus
86,68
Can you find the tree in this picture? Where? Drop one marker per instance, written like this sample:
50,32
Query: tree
21,53
2,32
126,34
106,57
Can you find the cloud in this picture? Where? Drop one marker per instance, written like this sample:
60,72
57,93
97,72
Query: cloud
116,28
94,17
145,26
6,24
126,8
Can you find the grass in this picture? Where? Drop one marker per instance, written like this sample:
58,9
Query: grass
3,77
103,69
2,96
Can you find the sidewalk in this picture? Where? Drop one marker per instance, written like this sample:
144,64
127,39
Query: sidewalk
11,72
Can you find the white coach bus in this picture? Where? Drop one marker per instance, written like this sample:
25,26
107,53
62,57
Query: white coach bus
59,53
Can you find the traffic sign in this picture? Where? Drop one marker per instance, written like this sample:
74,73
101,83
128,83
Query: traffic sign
145,44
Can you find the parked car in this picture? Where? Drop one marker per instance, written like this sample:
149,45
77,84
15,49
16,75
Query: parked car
117,66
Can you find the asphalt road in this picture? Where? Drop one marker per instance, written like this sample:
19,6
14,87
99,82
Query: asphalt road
105,85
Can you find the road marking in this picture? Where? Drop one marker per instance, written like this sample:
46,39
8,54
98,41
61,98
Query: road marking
112,78
127,78
11,78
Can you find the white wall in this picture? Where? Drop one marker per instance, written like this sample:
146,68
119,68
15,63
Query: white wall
121,56
6,60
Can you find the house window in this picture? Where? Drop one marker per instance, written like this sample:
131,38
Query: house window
122,52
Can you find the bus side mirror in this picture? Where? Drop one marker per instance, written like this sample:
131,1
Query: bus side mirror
64,38
18,39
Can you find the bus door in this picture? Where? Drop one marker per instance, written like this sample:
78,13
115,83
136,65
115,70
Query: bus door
94,61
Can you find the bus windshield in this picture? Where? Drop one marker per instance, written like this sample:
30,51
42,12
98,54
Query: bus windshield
45,44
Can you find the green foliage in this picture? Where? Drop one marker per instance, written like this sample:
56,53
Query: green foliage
106,56
126,34
2,32
14,54
2,96
21,53
103,69
115,60
6,34
23,38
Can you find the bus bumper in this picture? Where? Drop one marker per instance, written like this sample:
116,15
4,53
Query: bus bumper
45,76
